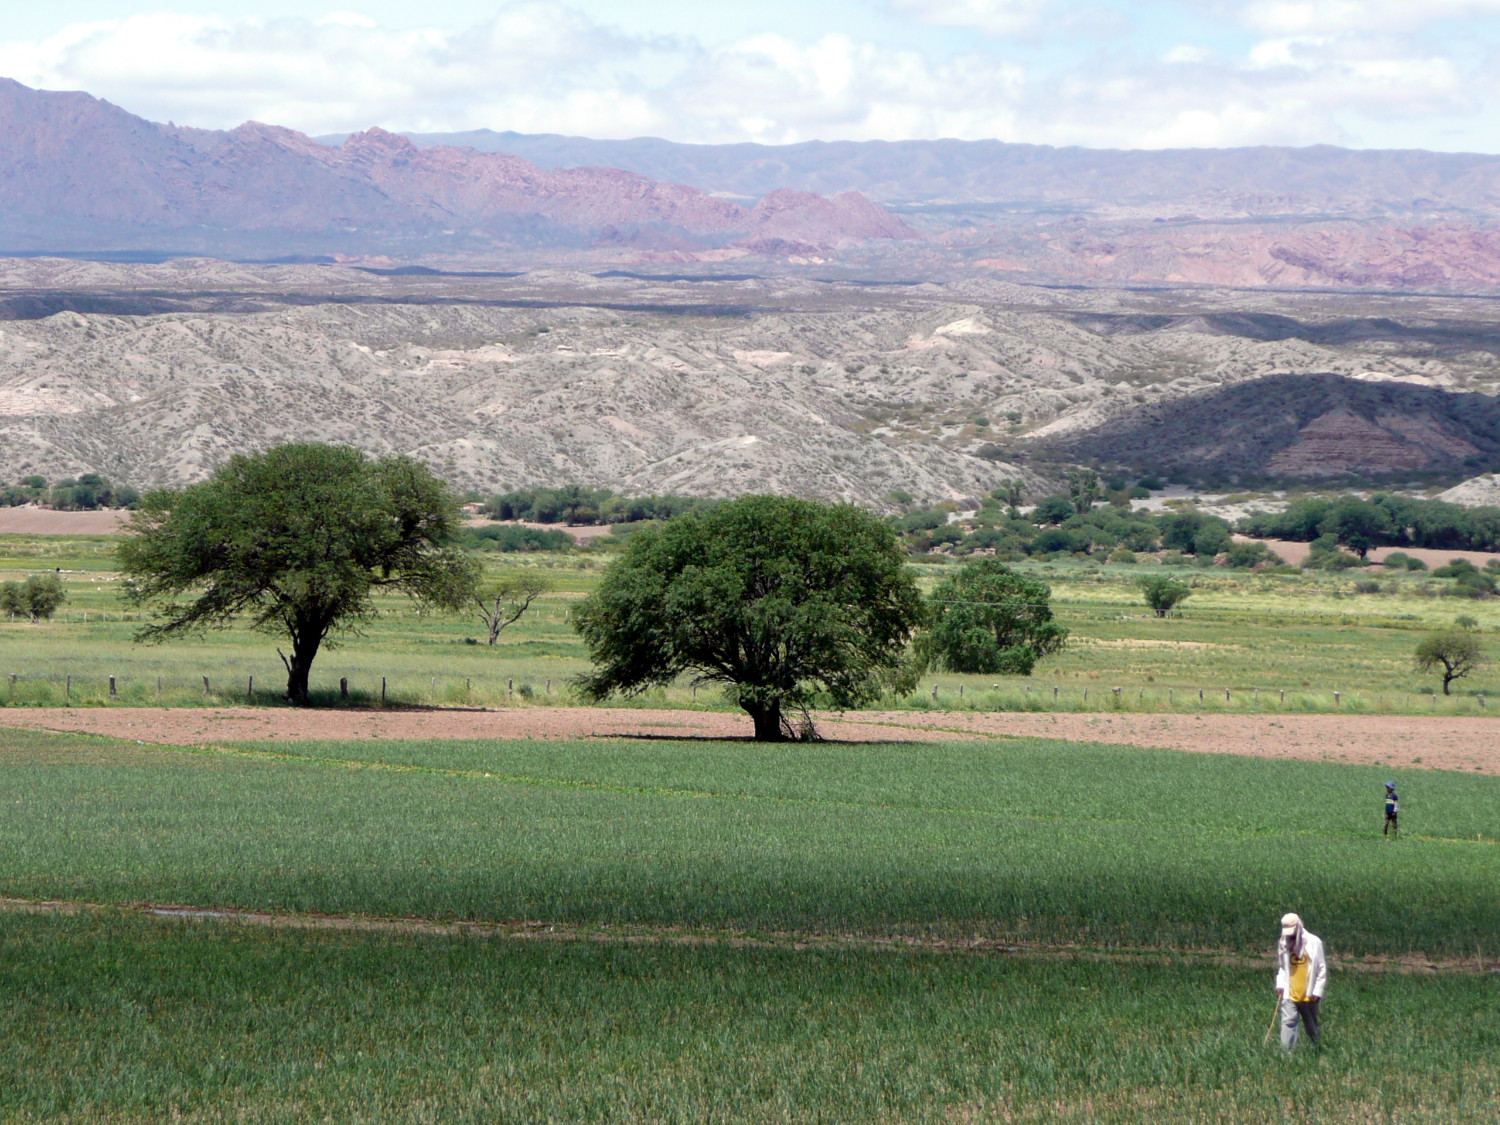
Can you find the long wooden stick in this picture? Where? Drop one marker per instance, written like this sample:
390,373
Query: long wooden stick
1274,1017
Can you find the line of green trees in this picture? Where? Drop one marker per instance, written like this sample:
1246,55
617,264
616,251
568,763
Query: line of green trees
73,494
784,603
1067,525
1383,520
581,507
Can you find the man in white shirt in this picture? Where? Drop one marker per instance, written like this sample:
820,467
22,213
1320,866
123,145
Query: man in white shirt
1301,979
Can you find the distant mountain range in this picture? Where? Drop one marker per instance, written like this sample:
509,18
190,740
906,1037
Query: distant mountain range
975,176
79,174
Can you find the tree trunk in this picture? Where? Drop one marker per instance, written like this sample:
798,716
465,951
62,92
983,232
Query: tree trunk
767,722
299,667
1448,678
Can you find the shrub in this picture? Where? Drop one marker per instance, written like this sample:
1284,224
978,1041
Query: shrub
36,599
513,537
987,618
1052,510
1123,556
1162,593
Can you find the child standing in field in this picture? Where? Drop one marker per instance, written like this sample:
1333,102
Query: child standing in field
1392,809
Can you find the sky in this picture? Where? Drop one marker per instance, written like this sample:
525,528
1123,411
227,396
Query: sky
1101,73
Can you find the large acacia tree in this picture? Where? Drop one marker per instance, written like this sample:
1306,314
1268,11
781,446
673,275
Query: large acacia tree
295,540
774,598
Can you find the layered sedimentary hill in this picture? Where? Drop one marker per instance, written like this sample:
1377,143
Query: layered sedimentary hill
1301,426
154,373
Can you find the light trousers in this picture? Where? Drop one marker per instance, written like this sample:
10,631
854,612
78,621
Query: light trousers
1293,1011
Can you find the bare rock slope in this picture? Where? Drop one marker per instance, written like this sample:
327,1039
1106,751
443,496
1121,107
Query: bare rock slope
153,374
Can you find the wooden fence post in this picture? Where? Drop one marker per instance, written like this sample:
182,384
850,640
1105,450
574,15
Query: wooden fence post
12,686
1336,697
112,687
343,687
382,691
68,688
250,690
205,687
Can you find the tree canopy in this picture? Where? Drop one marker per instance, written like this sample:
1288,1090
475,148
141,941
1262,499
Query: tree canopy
987,618
1454,651
296,540
1163,593
36,599
776,599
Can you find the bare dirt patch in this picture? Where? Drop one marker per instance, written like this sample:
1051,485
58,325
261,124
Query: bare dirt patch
44,521
1467,743
1294,553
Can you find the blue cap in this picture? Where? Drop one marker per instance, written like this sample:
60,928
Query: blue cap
1390,785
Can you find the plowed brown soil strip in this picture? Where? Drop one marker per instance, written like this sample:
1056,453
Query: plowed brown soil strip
1468,743
670,935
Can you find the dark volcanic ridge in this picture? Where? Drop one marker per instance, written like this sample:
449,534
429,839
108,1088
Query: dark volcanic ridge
1293,426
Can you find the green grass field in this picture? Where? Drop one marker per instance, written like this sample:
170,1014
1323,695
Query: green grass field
121,1019
1136,863
1276,643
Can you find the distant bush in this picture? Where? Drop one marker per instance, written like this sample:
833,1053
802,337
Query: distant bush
575,505
90,492
36,599
1139,492
1246,555
513,537
1052,510
1122,555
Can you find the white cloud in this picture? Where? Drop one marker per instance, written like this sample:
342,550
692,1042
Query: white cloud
1324,17
993,17
539,66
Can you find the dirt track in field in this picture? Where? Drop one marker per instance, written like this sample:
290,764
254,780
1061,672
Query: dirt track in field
669,935
1470,744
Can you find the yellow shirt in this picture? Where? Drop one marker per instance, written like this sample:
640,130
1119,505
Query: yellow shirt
1297,979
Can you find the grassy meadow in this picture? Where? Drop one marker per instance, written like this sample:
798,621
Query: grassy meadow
1273,642
1113,879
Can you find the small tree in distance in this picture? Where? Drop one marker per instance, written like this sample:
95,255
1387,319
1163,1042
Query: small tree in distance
501,602
1162,593
297,540
36,599
987,618
777,599
1455,650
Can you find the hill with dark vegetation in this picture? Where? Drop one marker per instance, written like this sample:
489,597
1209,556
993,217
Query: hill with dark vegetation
1295,426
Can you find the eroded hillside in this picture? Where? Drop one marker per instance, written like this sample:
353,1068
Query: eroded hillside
152,374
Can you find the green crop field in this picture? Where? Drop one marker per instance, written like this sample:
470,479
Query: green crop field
1138,890
1274,642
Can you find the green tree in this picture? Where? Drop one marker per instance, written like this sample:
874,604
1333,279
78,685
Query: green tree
1162,593
1083,490
1357,525
774,598
1456,651
36,599
1051,510
296,539
501,601
987,618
